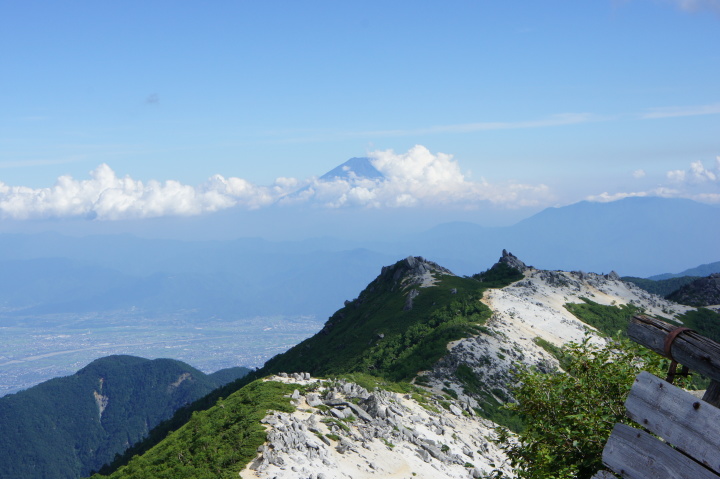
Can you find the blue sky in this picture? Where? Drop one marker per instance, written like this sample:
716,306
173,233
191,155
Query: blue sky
115,110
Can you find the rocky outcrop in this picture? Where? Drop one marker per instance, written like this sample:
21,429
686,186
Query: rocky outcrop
101,402
182,378
407,275
341,429
511,260
414,271
412,294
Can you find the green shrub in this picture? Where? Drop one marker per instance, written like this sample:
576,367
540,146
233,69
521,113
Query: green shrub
450,392
569,417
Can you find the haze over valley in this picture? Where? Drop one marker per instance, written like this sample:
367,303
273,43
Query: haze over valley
68,300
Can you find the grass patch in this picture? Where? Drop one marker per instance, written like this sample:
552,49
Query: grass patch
609,320
422,381
549,347
387,443
422,399
704,321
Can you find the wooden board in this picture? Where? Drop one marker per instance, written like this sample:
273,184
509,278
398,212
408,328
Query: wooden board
677,416
635,454
689,348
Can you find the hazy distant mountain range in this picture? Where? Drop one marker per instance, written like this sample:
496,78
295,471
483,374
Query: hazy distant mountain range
702,270
43,273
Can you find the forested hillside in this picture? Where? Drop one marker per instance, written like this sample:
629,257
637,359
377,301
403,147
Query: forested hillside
70,426
661,287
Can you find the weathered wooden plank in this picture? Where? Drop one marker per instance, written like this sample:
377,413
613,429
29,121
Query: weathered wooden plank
635,454
712,394
691,349
677,416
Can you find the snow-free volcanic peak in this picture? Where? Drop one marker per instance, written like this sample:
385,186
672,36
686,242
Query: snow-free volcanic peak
353,168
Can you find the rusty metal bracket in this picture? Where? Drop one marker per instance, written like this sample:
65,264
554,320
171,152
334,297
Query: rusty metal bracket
672,371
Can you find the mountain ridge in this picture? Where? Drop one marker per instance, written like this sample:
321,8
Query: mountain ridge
702,292
698,271
459,348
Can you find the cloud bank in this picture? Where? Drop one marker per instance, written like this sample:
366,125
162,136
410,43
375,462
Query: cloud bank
698,182
106,196
416,178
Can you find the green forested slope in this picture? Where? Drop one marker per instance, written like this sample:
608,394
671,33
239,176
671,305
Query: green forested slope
67,427
376,333
661,287
216,443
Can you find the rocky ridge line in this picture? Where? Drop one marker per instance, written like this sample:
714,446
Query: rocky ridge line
528,309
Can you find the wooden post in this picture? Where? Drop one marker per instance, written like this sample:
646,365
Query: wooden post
689,348
712,394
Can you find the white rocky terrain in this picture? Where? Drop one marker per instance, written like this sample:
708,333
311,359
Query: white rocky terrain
341,430
531,308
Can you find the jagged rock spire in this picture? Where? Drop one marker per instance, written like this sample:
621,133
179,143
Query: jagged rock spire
512,261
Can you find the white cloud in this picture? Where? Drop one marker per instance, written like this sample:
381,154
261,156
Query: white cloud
437,179
606,197
697,183
696,174
676,176
416,178
108,197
